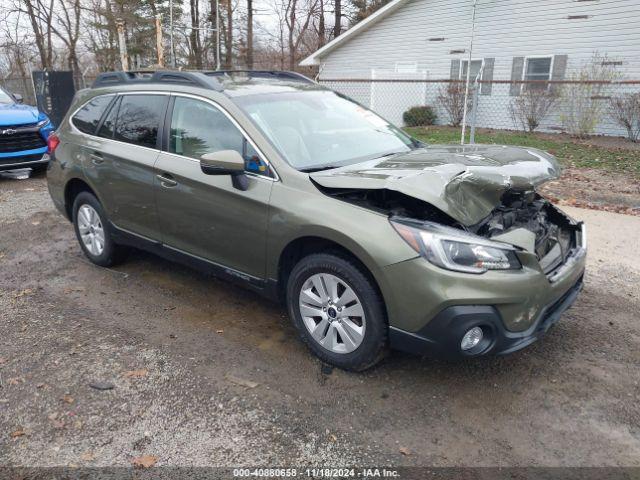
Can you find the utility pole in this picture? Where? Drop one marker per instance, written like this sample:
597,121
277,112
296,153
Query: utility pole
466,90
217,35
124,58
172,46
159,45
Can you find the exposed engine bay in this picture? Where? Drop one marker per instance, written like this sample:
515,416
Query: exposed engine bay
523,219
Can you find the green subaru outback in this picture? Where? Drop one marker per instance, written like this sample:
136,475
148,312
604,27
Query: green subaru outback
371,238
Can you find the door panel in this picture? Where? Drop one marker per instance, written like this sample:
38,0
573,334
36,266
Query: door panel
120,161
124,176
204,215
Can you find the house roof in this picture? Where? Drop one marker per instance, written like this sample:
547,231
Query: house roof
314,58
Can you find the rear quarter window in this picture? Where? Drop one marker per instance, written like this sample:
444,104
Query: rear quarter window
87,118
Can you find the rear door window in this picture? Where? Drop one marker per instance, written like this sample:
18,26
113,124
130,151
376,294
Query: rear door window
139,119
87,118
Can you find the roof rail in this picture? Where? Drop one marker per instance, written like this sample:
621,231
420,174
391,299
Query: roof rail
199,79
275,74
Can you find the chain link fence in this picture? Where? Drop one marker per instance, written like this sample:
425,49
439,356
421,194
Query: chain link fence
547,106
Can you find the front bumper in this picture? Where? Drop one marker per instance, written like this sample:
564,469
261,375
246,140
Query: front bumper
27,159
441,336
431,309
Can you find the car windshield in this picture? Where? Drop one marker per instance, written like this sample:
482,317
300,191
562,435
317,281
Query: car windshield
321,129
5,97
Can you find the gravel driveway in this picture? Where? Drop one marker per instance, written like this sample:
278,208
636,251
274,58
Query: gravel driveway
157,362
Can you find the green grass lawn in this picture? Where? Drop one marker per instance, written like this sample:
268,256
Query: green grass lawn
568,151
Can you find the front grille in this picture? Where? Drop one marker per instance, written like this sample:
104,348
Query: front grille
18,139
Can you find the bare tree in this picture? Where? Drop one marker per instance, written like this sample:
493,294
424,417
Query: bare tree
451,99
337,18
68,30
625,111
583,105
298,16
531,107
40,15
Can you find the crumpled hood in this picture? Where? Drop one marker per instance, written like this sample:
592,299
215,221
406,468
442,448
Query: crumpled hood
465,182
16,114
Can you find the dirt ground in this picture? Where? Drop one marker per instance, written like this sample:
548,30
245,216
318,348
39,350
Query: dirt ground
596,190
204,373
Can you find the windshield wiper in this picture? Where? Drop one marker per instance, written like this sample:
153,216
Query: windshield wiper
319,169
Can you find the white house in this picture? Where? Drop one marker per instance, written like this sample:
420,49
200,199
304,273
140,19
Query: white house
512,40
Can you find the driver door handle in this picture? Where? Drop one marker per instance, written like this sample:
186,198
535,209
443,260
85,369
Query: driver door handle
166,180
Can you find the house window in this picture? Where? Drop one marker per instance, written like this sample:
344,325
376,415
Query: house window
537,68
476,65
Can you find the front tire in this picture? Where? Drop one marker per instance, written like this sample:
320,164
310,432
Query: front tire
337,311
93,232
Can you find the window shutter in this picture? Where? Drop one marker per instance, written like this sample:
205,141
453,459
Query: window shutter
455,69
559,69
487,76
517,68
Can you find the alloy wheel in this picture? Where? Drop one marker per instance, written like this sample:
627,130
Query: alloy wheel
91,230
332,313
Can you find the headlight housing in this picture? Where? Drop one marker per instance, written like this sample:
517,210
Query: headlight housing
455,249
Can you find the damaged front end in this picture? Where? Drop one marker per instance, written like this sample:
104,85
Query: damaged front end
531,223
523,221
484,194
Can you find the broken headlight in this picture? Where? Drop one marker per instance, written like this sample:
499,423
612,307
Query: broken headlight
455,249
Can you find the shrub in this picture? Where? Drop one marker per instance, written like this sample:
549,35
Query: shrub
419,116
625,111
451,100
583,107
530,108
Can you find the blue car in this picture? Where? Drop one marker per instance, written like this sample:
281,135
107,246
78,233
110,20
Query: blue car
23,134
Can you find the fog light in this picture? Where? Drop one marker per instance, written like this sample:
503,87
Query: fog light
471,338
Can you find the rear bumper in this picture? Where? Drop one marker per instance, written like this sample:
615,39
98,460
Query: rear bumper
441,336
24,159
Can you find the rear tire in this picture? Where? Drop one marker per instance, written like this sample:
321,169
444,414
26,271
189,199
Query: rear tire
94,232
337,311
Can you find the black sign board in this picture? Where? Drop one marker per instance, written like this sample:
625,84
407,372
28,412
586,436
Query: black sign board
54,93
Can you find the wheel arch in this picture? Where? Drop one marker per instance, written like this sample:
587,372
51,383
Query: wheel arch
72,189
301,247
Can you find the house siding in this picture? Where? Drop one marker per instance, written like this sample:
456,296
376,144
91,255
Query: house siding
505,29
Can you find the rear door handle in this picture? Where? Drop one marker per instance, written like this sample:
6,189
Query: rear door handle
96,158
166,180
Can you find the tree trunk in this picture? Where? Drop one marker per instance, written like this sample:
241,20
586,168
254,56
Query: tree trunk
291,24
337,27
321,26
215,35
228,60
250,34
194,37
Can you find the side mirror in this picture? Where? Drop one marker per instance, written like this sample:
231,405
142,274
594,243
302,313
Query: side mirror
17,97
226,162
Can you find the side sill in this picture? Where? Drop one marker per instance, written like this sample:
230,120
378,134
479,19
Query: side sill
258,285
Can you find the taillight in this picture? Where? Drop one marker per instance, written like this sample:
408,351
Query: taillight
52,143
